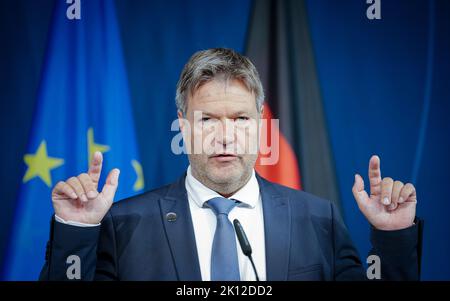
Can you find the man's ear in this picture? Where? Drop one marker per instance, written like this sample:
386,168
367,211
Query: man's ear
185,128
260,123
261,114
180,120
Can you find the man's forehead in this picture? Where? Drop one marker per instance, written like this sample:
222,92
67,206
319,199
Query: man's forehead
229,103
214,99
222,88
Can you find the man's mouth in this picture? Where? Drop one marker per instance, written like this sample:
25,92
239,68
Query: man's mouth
224,157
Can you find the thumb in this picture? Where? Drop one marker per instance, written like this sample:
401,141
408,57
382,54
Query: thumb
359,193
111,184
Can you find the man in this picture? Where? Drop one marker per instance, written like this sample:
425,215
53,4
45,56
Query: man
183,231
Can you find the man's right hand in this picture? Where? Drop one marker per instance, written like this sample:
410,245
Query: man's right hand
78,200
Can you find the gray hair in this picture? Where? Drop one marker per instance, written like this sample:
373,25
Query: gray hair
217,63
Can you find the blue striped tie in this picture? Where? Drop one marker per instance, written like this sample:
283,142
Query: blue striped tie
224,259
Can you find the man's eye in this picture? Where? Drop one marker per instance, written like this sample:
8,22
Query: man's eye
242,118
205,119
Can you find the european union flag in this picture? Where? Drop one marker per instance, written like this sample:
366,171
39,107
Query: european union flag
83,106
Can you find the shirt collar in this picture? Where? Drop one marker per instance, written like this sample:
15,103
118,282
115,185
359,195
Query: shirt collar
248,195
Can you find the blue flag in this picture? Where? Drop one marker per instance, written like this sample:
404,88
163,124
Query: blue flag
83,106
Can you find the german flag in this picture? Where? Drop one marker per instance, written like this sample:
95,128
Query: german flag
279,45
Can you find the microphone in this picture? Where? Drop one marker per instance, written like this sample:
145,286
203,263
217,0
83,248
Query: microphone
245,244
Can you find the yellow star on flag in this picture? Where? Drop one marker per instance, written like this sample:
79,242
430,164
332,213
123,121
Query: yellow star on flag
139,184
93,147
40,164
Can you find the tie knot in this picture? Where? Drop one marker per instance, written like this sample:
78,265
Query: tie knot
221,205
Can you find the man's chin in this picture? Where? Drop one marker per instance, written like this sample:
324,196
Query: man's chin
224,175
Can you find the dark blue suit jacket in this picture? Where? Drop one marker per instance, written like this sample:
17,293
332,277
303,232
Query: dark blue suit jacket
305,239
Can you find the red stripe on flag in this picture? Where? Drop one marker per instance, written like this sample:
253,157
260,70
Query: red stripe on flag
285,171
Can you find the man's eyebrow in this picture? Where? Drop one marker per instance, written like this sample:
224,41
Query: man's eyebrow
240,113
208,114
237,113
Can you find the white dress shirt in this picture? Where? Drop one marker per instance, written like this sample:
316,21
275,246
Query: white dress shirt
249,213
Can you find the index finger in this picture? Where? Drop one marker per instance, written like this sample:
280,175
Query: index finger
95,168
375,175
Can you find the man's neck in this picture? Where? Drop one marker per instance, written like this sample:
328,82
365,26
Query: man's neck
225,190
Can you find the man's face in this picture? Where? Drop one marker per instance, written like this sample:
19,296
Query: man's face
222,136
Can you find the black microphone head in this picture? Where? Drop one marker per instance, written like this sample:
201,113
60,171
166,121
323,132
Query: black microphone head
243,241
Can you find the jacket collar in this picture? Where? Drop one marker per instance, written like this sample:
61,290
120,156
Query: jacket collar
180,233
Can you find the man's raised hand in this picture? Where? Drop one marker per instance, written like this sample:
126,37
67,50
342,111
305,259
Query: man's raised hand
77,199
391,204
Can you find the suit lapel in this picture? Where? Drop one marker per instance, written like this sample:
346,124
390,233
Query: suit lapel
180,232
276,230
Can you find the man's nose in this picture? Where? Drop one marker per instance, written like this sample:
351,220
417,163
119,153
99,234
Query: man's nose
225,132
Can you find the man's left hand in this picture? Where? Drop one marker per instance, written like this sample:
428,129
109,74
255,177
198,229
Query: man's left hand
391,204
